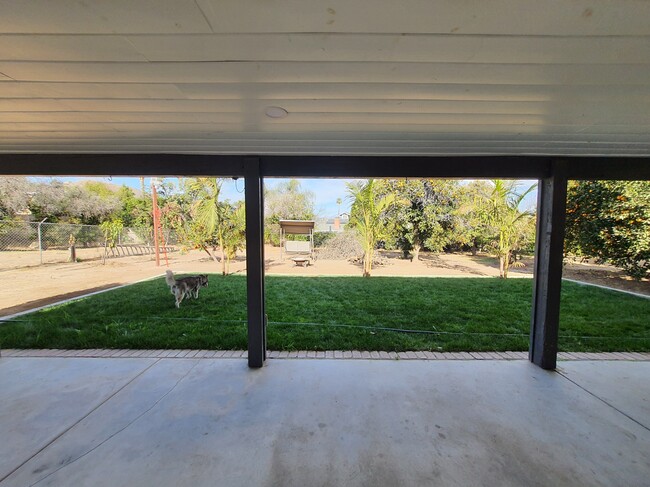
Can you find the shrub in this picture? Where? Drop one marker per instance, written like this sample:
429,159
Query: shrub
321,238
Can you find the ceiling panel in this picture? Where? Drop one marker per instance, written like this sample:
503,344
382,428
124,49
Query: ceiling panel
360,118
67,48
314,91
334,72
355,76
38,90
23,109
498,49
522,17
101,17
421,91
290,129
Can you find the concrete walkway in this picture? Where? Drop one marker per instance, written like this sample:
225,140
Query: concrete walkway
214,422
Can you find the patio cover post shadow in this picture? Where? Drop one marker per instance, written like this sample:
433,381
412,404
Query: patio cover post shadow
553,173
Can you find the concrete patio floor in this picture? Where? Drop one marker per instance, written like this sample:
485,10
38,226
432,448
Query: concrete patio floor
214,422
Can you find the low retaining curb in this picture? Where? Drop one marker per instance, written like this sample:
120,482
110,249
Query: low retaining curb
330,354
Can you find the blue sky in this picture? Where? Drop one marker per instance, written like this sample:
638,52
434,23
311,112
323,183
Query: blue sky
325,191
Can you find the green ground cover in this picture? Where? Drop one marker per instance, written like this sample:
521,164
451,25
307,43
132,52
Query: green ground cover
337,313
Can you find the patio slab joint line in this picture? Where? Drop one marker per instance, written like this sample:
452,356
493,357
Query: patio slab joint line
113,435
49,443
562,374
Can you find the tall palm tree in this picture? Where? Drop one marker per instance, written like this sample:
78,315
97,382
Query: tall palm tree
500,210
209,211
366,215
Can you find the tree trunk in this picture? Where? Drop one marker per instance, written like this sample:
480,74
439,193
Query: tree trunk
504,265
367,263
416,253
224,271
73,253
209,253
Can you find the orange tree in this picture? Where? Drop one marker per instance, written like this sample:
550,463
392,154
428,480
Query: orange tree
610,220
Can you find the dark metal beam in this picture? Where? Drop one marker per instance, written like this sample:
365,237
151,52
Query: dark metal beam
549,247
255,264
121,165
617,168
524,167
411,167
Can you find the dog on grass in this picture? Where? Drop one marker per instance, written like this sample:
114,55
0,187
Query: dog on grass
185,287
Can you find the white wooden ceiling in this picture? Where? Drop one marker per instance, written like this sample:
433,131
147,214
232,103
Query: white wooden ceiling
419,77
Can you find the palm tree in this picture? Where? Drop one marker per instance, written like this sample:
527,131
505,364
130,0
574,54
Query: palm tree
234,235
500,210
210,212
366,215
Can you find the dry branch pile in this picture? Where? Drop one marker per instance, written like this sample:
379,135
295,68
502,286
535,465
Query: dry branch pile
343,246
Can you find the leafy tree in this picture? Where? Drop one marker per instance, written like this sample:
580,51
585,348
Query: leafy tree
133,211
111,230
287,201
422,216
234,235
500,210
203,221
208,214
15,193
368,217
470,230
70,203
610,220
99,188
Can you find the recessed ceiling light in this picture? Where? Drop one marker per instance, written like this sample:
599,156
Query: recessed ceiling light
276,112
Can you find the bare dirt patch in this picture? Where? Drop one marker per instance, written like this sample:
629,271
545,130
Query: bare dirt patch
30,287
605,275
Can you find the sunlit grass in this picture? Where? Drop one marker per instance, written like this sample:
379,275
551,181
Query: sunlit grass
337,313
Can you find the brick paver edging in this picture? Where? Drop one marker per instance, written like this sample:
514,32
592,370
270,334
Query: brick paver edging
333,354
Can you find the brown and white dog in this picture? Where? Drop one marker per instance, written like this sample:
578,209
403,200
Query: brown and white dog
185,286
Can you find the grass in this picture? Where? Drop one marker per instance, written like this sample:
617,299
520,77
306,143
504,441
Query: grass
334,313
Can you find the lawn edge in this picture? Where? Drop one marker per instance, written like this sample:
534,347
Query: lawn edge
319,355
583,283
76,298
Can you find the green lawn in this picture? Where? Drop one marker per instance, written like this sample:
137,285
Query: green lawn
334,313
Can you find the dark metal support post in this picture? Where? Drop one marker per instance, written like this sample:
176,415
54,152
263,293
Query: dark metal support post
255,263
551,217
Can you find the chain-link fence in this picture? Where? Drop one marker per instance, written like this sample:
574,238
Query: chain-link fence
24,244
